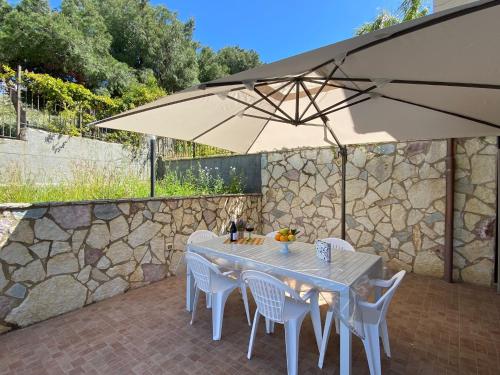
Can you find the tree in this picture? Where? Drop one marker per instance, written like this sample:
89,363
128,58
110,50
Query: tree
407,11
152,37
5,8
228,60
72,44
110,46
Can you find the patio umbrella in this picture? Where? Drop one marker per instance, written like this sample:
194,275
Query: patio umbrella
432,78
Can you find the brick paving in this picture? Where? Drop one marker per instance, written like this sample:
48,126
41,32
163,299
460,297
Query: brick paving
435,328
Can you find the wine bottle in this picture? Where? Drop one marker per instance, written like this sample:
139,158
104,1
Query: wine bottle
233,232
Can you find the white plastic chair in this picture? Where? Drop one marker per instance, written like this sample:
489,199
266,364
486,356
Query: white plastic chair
217,286
338,244
205,235
342,245
200,236
279,303
374,323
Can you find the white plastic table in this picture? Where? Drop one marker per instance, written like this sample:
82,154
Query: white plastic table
300,263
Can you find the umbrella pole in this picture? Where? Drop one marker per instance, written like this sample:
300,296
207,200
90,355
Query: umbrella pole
497,234
343,153
450,195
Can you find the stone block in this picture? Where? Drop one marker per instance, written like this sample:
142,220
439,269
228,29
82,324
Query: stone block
71,216
52,297
110,288
15,253
46,229
106,211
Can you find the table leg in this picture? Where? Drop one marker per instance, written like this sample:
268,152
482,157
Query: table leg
189,290
345,334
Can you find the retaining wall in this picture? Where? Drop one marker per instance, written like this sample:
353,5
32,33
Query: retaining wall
395,202
58,257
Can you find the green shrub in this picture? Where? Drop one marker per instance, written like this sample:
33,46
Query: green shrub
89,182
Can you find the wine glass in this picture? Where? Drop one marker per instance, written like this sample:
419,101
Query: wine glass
249,228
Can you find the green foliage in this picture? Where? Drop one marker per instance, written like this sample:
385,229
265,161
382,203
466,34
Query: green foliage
198,181
108,45
92,59
68,101
5,8
407,11
90,182
228,60
152,37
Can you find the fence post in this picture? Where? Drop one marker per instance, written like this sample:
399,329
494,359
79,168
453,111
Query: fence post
18,113
152,157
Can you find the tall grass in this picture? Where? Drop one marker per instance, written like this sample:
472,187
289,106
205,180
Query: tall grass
89,182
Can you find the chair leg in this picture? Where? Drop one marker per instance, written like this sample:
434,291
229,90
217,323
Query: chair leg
269,326
384,333
218,303
292,333
371,343
326,335
195,304
337,325
316,319
244,295
209,300
253,333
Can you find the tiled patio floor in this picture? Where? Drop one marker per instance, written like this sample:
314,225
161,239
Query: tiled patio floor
435,328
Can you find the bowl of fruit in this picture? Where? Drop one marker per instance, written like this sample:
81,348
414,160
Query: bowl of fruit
285,236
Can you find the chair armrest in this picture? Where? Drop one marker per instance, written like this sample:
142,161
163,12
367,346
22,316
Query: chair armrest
382,283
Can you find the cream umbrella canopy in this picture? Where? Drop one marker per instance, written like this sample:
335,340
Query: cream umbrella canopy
432,78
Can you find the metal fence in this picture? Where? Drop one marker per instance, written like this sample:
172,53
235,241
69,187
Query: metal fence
21,108
8,115
169,149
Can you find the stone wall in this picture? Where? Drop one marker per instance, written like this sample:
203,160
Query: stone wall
395,202
55,258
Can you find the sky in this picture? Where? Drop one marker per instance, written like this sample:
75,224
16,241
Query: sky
275,28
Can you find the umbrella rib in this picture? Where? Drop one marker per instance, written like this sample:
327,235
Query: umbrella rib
297,101
137,111
213,127
308,93
259,82
277,107
265,118
411,82
257,108
326,110
233,116
258,135
319,91
408,30
269,119
465,117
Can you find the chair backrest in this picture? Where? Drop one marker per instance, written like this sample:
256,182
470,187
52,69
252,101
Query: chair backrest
200,236
382,304
202,270
338,244
269,294
272,234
